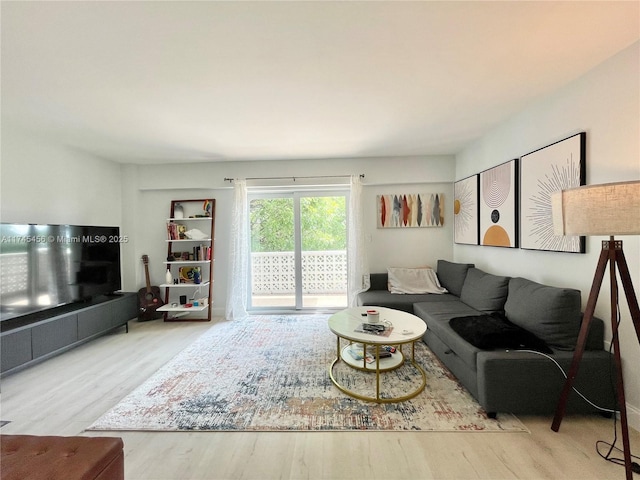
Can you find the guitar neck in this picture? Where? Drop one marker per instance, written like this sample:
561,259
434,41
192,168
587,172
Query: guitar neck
146,275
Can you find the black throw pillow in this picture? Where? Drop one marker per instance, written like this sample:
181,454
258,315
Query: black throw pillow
490,332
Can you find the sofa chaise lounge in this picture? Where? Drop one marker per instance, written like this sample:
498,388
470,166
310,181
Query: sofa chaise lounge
522,378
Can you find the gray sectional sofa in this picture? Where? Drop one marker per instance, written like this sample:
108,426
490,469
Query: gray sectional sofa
501,337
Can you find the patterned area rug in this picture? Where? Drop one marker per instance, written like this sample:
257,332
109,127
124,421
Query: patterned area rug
270,373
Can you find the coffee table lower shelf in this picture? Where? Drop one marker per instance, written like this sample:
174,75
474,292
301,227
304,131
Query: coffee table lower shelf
377,367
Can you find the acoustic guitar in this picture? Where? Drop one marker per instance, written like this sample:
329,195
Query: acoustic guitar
149,297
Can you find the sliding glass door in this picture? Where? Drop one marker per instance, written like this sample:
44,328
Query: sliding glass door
298,250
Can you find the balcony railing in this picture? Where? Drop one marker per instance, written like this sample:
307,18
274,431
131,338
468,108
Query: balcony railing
323,272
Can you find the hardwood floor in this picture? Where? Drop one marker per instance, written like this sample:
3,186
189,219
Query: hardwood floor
65,394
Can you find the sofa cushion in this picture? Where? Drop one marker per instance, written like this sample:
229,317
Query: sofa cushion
551,313
484,291
384,298
491,332
378,281
445,310
451,275
414,281
437,315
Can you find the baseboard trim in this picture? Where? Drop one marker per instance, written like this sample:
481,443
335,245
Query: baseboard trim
633,417
633,413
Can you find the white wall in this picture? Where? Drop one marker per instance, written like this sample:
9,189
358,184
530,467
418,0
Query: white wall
156,186
605,103
43,182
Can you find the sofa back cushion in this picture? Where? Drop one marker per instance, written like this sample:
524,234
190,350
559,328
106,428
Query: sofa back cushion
378,281
451,275
552,314
484,291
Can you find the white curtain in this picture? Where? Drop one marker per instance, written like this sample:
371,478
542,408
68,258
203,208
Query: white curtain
239,254
357,263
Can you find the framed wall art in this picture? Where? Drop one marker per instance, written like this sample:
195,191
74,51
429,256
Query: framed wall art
498,205
465,211
410,210
556,167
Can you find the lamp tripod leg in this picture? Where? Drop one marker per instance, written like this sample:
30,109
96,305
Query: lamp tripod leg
630,293
632,302
582,339
622,404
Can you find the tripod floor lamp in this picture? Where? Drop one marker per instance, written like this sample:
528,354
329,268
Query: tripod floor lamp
608,209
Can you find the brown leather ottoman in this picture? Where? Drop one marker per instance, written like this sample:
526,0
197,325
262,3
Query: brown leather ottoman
29,457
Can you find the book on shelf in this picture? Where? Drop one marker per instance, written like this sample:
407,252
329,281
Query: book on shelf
172,231
202,253
175,231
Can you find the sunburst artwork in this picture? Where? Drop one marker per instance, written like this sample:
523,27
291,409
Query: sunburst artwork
543,172
465,211
498,224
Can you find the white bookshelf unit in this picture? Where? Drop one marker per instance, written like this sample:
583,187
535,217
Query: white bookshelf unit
190,257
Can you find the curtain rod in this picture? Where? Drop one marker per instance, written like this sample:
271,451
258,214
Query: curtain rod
294,178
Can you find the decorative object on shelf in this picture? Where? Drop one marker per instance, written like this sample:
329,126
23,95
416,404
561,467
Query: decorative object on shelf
410,210
498,197
197,276
466,211
178,211
207,208
608,209
186,274
168,278
195,234
559,166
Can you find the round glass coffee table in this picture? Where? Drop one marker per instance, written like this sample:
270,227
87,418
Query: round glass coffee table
367,351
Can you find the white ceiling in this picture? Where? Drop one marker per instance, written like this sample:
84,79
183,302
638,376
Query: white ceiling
165,82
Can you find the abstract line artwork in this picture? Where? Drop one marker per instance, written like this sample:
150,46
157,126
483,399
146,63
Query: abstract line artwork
498,223
465,211
410,210
556,167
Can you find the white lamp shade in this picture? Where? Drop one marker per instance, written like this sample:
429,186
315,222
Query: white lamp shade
606,209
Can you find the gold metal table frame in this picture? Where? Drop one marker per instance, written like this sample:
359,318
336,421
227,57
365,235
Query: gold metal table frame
343,324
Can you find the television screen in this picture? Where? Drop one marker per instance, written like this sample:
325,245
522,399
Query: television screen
45,266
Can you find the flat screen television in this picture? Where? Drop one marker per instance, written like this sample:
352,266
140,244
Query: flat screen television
47,266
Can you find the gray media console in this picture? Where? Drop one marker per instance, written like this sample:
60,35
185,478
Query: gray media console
27,341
